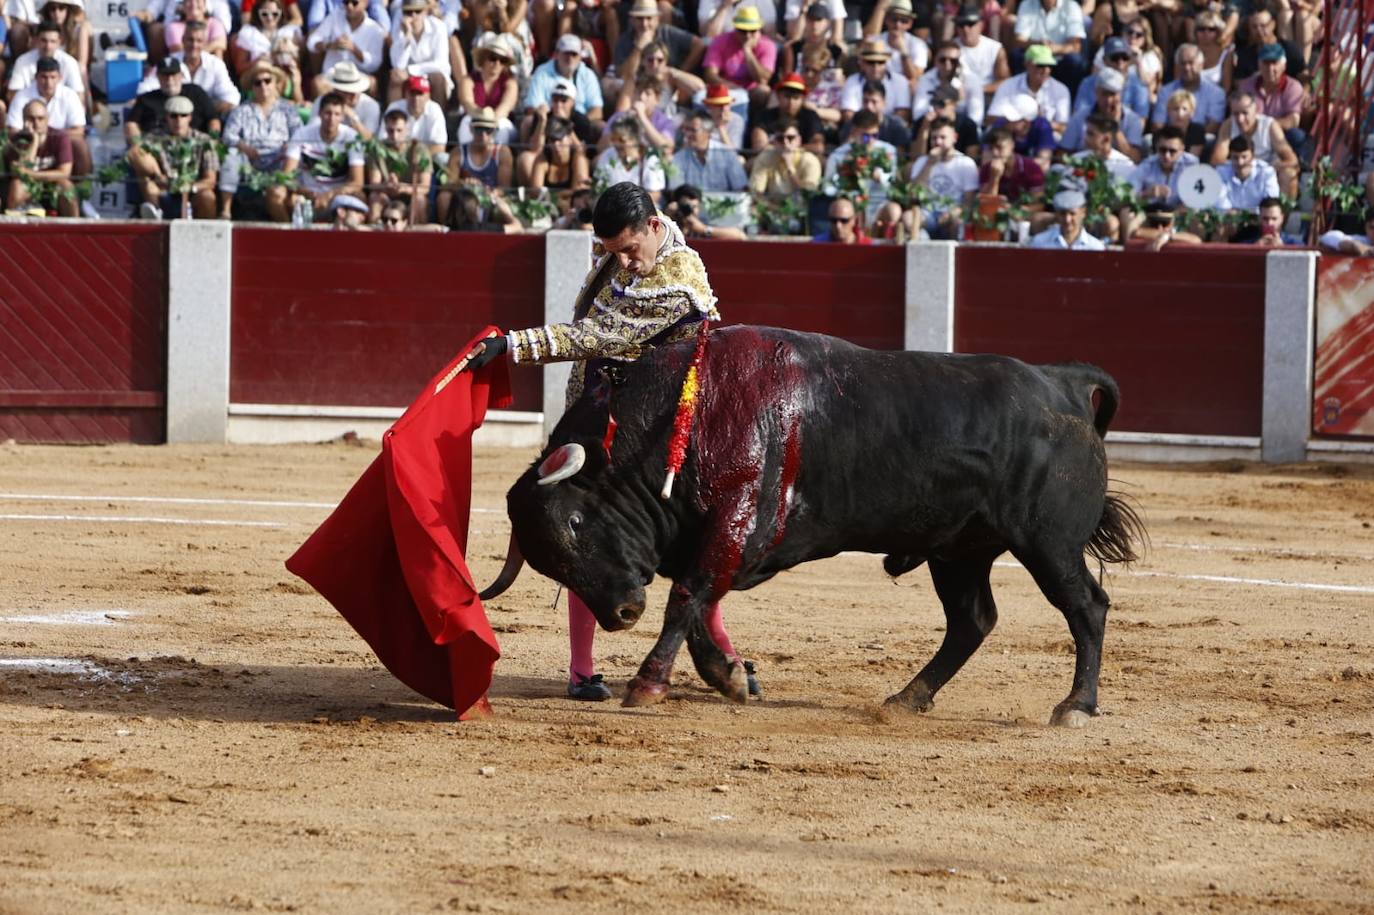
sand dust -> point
(189, 729)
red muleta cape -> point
(390, 557)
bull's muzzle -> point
(629, 614)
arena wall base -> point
(274, 424)
(1155, 448)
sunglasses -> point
(1171, 150)
(177, 117)
(1207, 28)
(269, 14)
(952, 61)
(484, 130)
(1119, 57)
(390, 221)
(966, 25)
(264, 81)
(791, 136)
(841, 220)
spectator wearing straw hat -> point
(419, 47)
(873, 57)
(146, 114)
(728, 127)
(1057, 26)
(327, 157)
(427, 122)
(1051, 97)
(347, 35)
(482, 160)
(706, 161)
(492, 84)
(1067, 233)
(910, 54)
(256, 134)
(158, 160)
(361, 111)
(566, 65)
(791, 94)
(742, 60)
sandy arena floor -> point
(189, 729)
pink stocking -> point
(715, 625)
(581, 633)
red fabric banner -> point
(390, 557)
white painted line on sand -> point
(180, 500)
(1279, 552)
(123, 519)
(53, 665)
(71, 618)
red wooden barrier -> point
(364, 319)
(1181, 331)
(850, 291)
(83, 333)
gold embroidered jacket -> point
(618, 311)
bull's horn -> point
(508, 572)
(562, 464)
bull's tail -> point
(1119, 533)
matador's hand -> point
(483, 353)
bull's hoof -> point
(1070, 716)
(642, 692)
(905, 702)
(736, 685)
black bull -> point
(804, 446)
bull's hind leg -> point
(1069, 585)
(970, 614)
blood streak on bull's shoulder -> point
(742, 384)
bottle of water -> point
(298, 213)
(309, 211)
(186, 211)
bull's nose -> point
(629, 615)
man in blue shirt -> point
(566, 63)
(1271, 217)
(1157, 177)
(1116, 55)
(1211, 100)
(705, 162)
(1070, 209)
(1245, 180)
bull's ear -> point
(563, 463)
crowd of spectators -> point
(1059, 123)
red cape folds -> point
(390, 557)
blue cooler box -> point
(123, 73)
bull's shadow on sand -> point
(177, 687)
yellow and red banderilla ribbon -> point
(686, 412)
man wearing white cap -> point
(566, 64)
(1051, 97)
(1070, 209)
(361, 111)
(1033, 135)
(157, 163)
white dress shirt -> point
(368, 38)
(898, 93)
(1053, 97)
(65, 108)
(425, 55)
(26, 68)
(429, 128)
(212, 76)
(1052, 238)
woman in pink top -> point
(491, 85)
(744, 59)
(216, 40)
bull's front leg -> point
(685, 619)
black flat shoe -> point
(754, 689)
(589, 689)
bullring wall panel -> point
(1182, 330)
(83, 333)
(364, 319)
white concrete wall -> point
(200, 259)
(1290, 285)
(567, 258)
(929, 321)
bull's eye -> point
(575, 522)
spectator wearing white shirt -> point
(427, 123)
(420, 48)
(981, 56)
(348, 34)
(949, 70)
(65, 111)
(206, 70)
(1057, 25)
(952, 177)
(1208, 96)
(626, 160)
(873, 58)
(1245, 180)
(315, 151)
(1267, 141)
(21, 18)
(1051, 97)
(1358, 245)
(910, 54)
(47, 43)
(1067, 233)
(266, 24)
